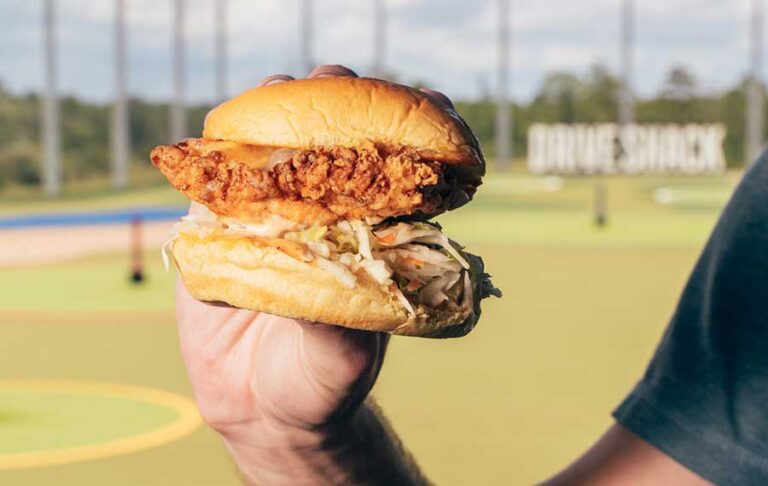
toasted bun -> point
(244, 274)
(345, 111)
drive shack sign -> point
(608, 148)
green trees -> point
(566, 98)
(563, 97)
(84, 136)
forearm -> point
(360, 450)
(620, 457)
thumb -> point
(343, 360)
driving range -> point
(90, 366)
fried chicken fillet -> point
(315, 186)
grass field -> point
(518, 398)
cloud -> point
(449, 44)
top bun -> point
(345, 111)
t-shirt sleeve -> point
(704, 397)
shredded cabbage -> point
(433, 294)
(363, 239)
(321, 248)
(165, 251)
(447, 245)
(378, 270)
(305, 236)
(339, 271)
(467, 298)
(351, 260)
(403, 299)
(429, 270)
(344, 239)
(402, 233)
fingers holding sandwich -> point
(332, 71)
(324, 71)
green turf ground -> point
(29, 416)
(512, 402)
(95, 284)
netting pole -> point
(50, 108)
(754, 120)
(120, 139)
(306, 36)
(137, 250)
(503, 109)
(221, 50)
(178, 113)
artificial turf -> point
(518, 398)
(28, 419)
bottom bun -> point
(241, 272)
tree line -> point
(562, 97)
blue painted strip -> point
(94, 218)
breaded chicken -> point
(242, 181)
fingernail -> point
(275, 78)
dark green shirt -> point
(704, 398)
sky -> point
(446, 44)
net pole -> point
(503, 109)
(50, 113)
(755, 100)
(306, 36)
(626, 106)
(178, 112)
(137, 250)
(120, 137)
(379, 37)
(221, 50)
(626, 96)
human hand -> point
(284, 393)
(272, 386)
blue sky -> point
(448, 44)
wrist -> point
(360, 449)
(276, 453)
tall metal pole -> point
(754, 130)
(379, 37)
(221, 49)
(626, 98)
(120, 143)
(178, 113)
(626, 104)
(306, 36)
(503, 112)
(50, 115)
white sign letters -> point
(608, 148)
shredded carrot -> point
(388, 239)
(414, 261)
(413, 285)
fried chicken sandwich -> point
(312, 200)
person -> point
(289, 397)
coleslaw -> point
(413, 259)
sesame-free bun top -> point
(346, 111)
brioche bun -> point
(349, 112)
(356, 139)
(239, 272)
